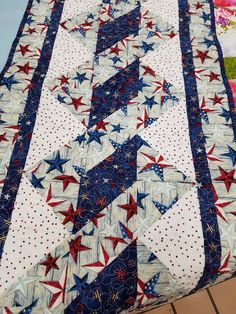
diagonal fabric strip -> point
(114, 31)
(26, 126)
(120, 168)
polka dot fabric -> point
(177, 240)
(34, 232)
(170, 135)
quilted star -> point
(227, 178)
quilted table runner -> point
(117, 155)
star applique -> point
(56, 163)
(36, 182)
(226, 177)
(202, 55)
(147, 47)
(57, 288)
(23, 49)
(8, 82)
(231, 155)
(77, 102)
(66, 180)
(140, 197)
(150, 101)
(131, 208)
(24, 68)
(76, 246)
(69, 215)
(100, 265)
(146, 290)
(95, 136)
(21, 284)
(50, 263)
(115, 241)
(116, 128)
(216, 100)
(155, 165)
(101, 125)
(64, 80)
(213, 76)
(80, 77)
(80, 283)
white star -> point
(228, 233)
(21, 284)
(165, 188)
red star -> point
(31, 30)
(213, 76)
(226, 177)
(64, 80)
(100, 264)
(57, 288)
(131, 208)
(24, 68)
(24, 49)
(95, 219)
(76, 247)
(216, 100)
(115, 241)
(171, 35)
(3, 137)
(101, 125)
(203, 55)
(50, 263)
(148, 70)
(66, 180)
(69, 215)
(115, 49)
(76, 102)
(199, 6)
(149, 24)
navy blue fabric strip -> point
(112, 32)
(26, 124)
(105, 182)
(203, 177)
(115, 93)
(223, 73)
(16, 41)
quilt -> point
(117, 155)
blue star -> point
(80, 283)
(36, 182)
(80, 77)
(146, 47)
(150, 286)
(150, 101)
(205, 16)
(56, 163)
(29, 20)
(117, 128)
(208, 42)
(80, 139)
(152, 257)
(141, 84)
(231, 154)
(163, 208)
(140, 197)
(61, 99)
(115, 59)
(8, 81)
(95, 136)
(225, 113)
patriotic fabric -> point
(117, 155)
